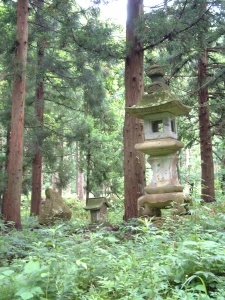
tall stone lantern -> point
(159, 109)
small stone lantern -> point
(98, 209)
(159, 109)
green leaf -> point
(8, 272)
(36, 290)
(111, 239)
(45, 274)
(81, 264)
(25, 295)
(28, 293)
(200, 288)
(32, 266)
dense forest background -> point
(72, 136)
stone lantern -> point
(98, 209)
(159, 108)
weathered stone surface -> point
(159, 147)
(173, 200)
(54, 208)
(158, 98)
(98, 209)
(159, 108)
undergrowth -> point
(182, 258)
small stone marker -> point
(98, 209)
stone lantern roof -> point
(96, 203)
(158, 98)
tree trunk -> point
(79, 176)
(2, 171)
(54, 182)
(88, 171)
(60, 179)
(134, 161)
(39, 110)
(5, 167)
(80, 186)
(77, 167)
(207, 166)
(223, 175)
(11, 208)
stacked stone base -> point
(151, 204)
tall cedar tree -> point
(134, 162)
(11, 207)
(39, 110)
(207, 165)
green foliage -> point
(180, 259)
(77, 50)
(175, 35)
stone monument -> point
(53, 208)
(159, 109)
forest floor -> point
(183, 258)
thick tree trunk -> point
(39, 110)
(11, 208)
(134, 161)
(207, 165)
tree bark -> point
(88, 170)
(11, 207)
(134, 161)
(207, 165)
(39, 110)
(5, 167)
(223, 175)
(54, 182)
(79, 176)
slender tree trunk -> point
(39, 109)
(54, 181)
(60, 190)
(88, 171)
(6, 166)
(134, 162)
(11, 208)
(59, 187)
(207, 165)
(60, 179)
(2, 171)
(223, 175)
(77, 166)
(79, 176)
(80, 188)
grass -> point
(183, 258)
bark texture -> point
(207, 165)
(79, 176)
(11, 207)
(134, 162)
(39, 110)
